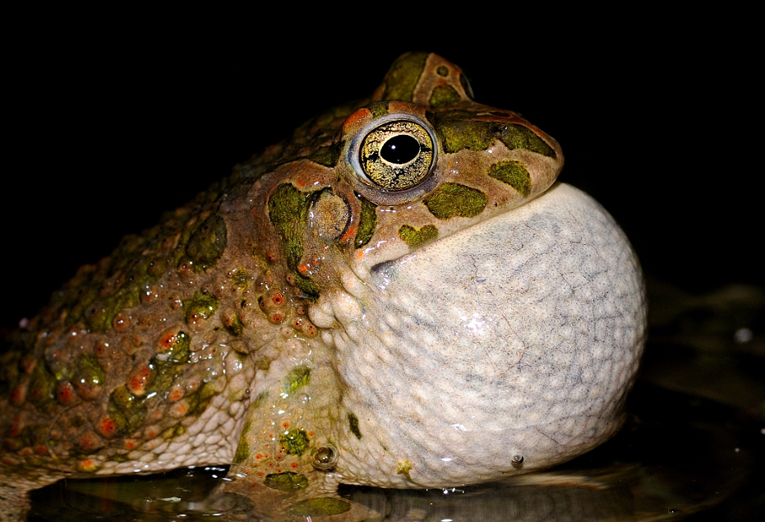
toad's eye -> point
(396, 155)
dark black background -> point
(108, 124)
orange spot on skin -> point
(260, 474)
(86, 465)
(40, 449)
(277, 317)
(25, 452)
(167, 339)
(149, 295)
(27, 364)
(178, 410)
(87, 441)
(175, 394)
(107, 427)
(357, 118)
(151, 432)
(17, 425)
(131, 444)
(121, 322)
(19, 395)
(277, 298)
(294, 465)
(102, 348)
(186, 267)
(65, 392)
(285, 424)
(138, 381)
(272, 257)
(88, 390)
(350, 233)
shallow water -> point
(693, 447)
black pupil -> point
(400, 149)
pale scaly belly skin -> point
(318, 319)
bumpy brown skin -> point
(147, 360)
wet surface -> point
(693, 447)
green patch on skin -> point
(259, 400)
(378, 109)
(295, 441)
(42, 387)
(514, 174)
(204, 395)
(242, 449)
(458, 131)
(123, 400)
(156, 268)
(416, 237)
(164, 373)
(403, 76)
(208, 242)
(99, 314)
(520, 137)
(287, 481)
(200, 306)
(367, 222)
(171, 433)
(353, 424)
(288, 211)
(453, 199)
(179, 351)
(327, 156)
(239, 278)
(444, 95)
(89, 371)
(298, 377)
(321, 507)
(234, 325)
(127, 410)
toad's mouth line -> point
(476, 230)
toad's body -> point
(397, 296)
